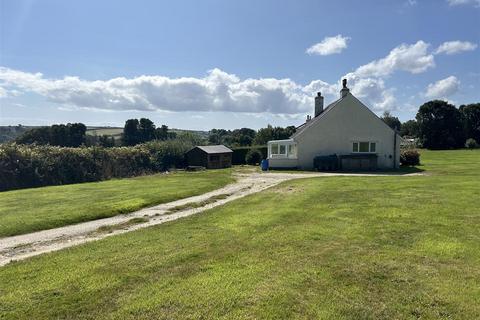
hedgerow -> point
(25, 166)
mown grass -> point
(319, 248)
(28, 210)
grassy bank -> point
(28, 210)
(329, 248)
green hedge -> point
(25, 166)
(240, 153)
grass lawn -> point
(319, 248)
(28, 210)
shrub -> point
(240, 154)
(253, 157)
(410, 157)
(26, 166)
(471, 143)
(168, 154)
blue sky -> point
(225, 64)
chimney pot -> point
(345, 90)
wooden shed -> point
(210, 157)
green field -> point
(319, 248)
(28, 210)
(117, 132)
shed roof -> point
(214, 149)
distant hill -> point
(116, 132)
(203, 134)
(10, 133)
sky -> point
(230, 64)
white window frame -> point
(370, 143)
(286, 149)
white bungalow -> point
(346, 130)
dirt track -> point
(27, 245)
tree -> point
(131, 134)
(76, 134)
(106, 141)
(440, 125)
(263, 136)
(391, 121)
(70, 135)
(409, 129)
(253, 157)
(237, 137)
(146, 130)
(242, 137)
(471, 120)
(272, 133)
(36, 135)
(216, 136)
(162, 133)
(58, 135)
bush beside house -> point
(471, 144)
(409, 157)
(253, 157)
(240, 154)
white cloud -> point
(217, 91)
(373, 91)
(476, 3)
(329, 45)
(452, 47)
(411, 58)
(442, 88)
(367, 82)
(221, 91)
(325, 88)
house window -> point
(364, 147)
(291, 150)
(274, 148)
(282, 149)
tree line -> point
(440, 125)
(69, 135)
(437, 125)
(138, 131)
(249, 137)
(75, 135)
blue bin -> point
(264, 164)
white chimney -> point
(318, 104)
